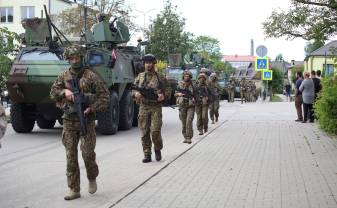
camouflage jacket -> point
(243, 86)
(185, 102)
(151, 80)
(202, 94)
(214, 89)
(90, 85)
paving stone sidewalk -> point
(259, 158)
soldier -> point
(3, 122)
(243, 90)
(249, 91)
(231, 91)
(202, 101)
(150, 110)
(185, 94)
(214, 105)
(97, 96)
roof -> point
(238, 58)
(325, 49)
(282, 65)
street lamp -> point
(144, 15)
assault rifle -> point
(186, 93)
(202, 92)
(147, 93)
(80, 104)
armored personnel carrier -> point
(41, 60)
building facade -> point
(14, 11)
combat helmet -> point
(213, 76)
(187, 72)
(149, 58)
(100, 17)
(202, 75)
(73, 50)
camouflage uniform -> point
(186, 110)
(201, 108)
(98, 97)
(3, 122)
(249, 92)
(243, 90)
(231, 91)
(214, 105)
(150, 111)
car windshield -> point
(175, 73)
(39, 55)
(194, 73)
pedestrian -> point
(214, 105)
(317, 83)
(3, 122)
(202, 102)
(185, 95)
(243, 90)
(150, 110)
(298, 97)
(308, 93)
(231, 90)
(93, 89)
(319, 74)
(287, 88)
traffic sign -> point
(261, 63)
(267, 75)
(261, 50)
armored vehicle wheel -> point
(135, 114)
(108, 120)
(21, 122)
(45, 124)
(126, 111)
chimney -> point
(252, 47)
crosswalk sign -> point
(261, 63)
(267, 75)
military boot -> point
(201, 133)
(158, 155)
(72, 195)
(216, 119)
(185, 141)
(92, 188)
(147, 159)
(205, 130)
(213, 122)
(189, 141)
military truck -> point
(41, 60)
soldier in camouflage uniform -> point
(3, 122)
(231, 91)
(150, 111)
(249, 91)
(214, 105)
(202, 101)
(186, 103)
(243, 90)
(93, 88)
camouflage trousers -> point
(70, 140)
(186, 116)
(231, 96)
(202, 117)
(243, 95)
(150, 123)
(214, 109)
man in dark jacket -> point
(298, 97)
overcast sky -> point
(233, 22)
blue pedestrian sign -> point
(261, 63)
(267, 75)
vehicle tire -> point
(45, 124)
(108, 120)
(126, 111)
(135, 114)
(21, 122)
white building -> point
(13, 11)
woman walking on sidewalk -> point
(308, 93)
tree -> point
(276, 85)
(8, 47)
(279, 57)
(207, 45)
(308, 19)
(72, 20)
(166, 34)
(312, 46)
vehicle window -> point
(96, 59)
(39, 56)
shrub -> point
(326, 105)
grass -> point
(276, 98)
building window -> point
(6, 14)
(328, 70)
(27, 12)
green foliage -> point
(294, 72)
(166, 34)
(8, 47)
(326, 105)
(277, 83)
(276, 98)
(313, 45)
(279, 57)
(310, 20)
(207, 45)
